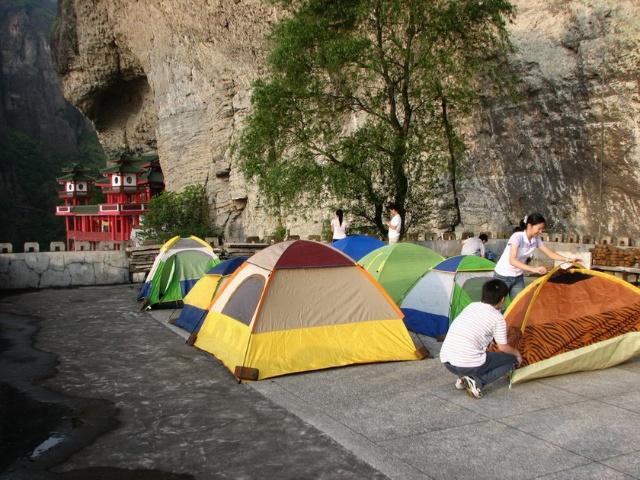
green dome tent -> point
(179, 265)
(398, 267)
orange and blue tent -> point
(198, 300)
(298, 306)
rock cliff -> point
(175, 75)
(39, 130)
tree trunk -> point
(452, 164)
(379, 210)
(402, 184)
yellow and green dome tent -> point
(179, 265)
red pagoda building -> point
(128, 184)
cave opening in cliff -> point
(121, 100)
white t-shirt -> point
(470, 334)
(525, 248)
(473, 246)
(339, 231)
(395, 227)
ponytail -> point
(339, 214)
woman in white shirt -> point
(513, 261)
(339, 226)
(395, 224)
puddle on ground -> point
(49, 443)
(108, 473)
(24, 423)
(40, 428)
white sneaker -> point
(473, 390)
(460, 385)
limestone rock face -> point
(570, 145)
(175, 75)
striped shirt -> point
(470, 334)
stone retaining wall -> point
(62, 269)
(449, 248)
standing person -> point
(464, 350)
(339, 226)
(513, 261)
(395, 224)
(474, 245)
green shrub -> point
(185, 213)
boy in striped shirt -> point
(464, 351)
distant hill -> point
(39, 130)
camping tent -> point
(357, 246)
(440, 295)
(179, 265)
(299, 306)
(198, 300)
(399, 266)
(573, 320)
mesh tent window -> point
(243, 302)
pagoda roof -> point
(149, 158)
(152, 176)
(103, 182)
(129, 163)
(76, 178)
(77, 173)
(123, 168)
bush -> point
(186, 213)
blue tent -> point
(357, 246)
(228, 266)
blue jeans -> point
(514, 284)
(495, 366)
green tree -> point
(362, 101)
(186, 213)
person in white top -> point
(339, 226)
(513, 261)
(464, 351)
(474, 245)
(395, 224)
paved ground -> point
(179, 411)
(167, 410)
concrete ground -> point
(166, 411)
(180, 411)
